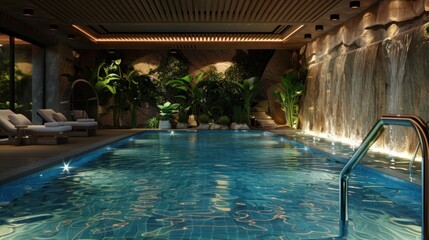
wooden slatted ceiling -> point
(169, 11)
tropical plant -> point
(119, 84)
(152, 122)
(238, 114)
(141, 90)
(218, 97)
(111, 84)
(187, 91)
(287, 93)
(224, 120)
(174, 65)
(249, 89)
(167, 109)
(21, 82)
(203, 118)
(183, 116)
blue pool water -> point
(205, 185)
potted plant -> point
(166, 112)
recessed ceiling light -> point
(335, 17)
(53, 27)
(354, 4)
(307, 36)
(28, 12)
(71, 36)
(318, 27)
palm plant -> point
(287, 93)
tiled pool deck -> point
(18, 161)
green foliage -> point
(183, 116)
(167, 109)
(172, 66)
(213, 75)
(120, 83)
(288, 92)
(140, 89)
(249, 89)
(187, 91)
(238, 114)
(224, 120)
(22, 83)
(152, 122)
(203, 118)
(218, 97)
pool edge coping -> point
(45, 163)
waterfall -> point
(346, 94)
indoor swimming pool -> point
(206, 185)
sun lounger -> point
(17, 126)
(80, 127)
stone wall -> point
(374, 64)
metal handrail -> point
(422, 132)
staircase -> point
(263, 120)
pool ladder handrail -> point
(423, 135)
(413, 159)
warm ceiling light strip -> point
(292, 33)
(92, 38)
(187, 38)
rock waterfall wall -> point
(378, 63)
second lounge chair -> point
(80, 127)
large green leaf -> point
(187, 78)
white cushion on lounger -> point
(81, 124)
(59, 117)
(46, 114)
(40, 129)
(53, 124)
(5, 122)
(19, 119)
(85, 120)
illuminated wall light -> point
(28, 12)
(318, 27)
(354, 4)
(335, 17)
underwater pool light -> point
(66, 167)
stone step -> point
(267, 123)
(261, 115)
(264, 120)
